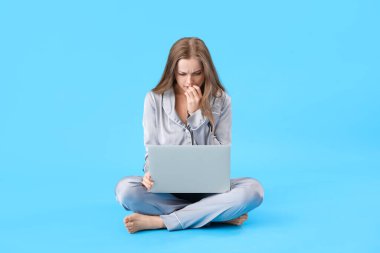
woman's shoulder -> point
(222, 98)
(152, 97)
(220, 101)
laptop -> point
(189, 168)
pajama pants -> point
(190, 210)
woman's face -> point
(189, 72)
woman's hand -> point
(147, 181)
(193, 95)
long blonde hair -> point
(186, 48)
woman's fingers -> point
(148, 183)
(193, 93)
(193, 99)
(198, 90)
(189, 95)
(148, 176)
(144, 184)
(147, 186)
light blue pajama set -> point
(178, 211)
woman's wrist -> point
(192, 113)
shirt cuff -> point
(196, 119)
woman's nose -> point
(189, 80)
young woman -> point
(189, 106)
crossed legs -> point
(165, 210)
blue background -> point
(304, 81)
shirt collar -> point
(168, 103)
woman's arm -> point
(221, 134)
(149, 125)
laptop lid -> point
(189, 168)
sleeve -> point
(149, 125)
(196, 120)
(221, 135)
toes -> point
(129, 225)
(131, 230)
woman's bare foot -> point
(238, 221)
(136, 222)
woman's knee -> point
(253, 193)
(126, 190)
